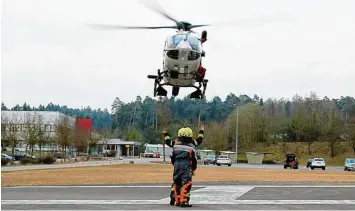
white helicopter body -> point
(182, 58)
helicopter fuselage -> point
(181, 59)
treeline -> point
(306, 119)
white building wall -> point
(49, 120)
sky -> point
(273, 48)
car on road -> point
(6, 157)
(291, 161)
(318, 163)
(309, 162)
(349, 164)
(223, 160)
(209, 159)
(20, 155)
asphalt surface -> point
(204, 196)
(147, 161)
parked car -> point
(6, 157)
(309, 162)
(349, 164)
(318, 163)
(210, 159)
(20, 155)
(290, 161)
(223, 160)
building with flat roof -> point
(47, 120)
(122, 147)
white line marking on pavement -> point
(196, 186)
(156, 202)
(185, 209)
(177, 208)
(304, 186)
(105, 186)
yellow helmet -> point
(181, 132)
(189, 132)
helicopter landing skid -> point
(160, 91)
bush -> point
(25, 160)
(4, 162)
(112, 153)
(37, 161)
(49, 159)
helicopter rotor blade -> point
(159, 9)
(195, 26)
(103, 26)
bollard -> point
(110, 161)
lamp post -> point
(236, 135)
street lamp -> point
(236, 134)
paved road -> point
(147, 161)
(207, 196)
(78, 164)
(278, 166)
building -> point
(20, 120)
(121, 147)
(153, 149)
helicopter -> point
(182, 58)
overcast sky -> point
(278, 49)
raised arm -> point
(167, 138)
(199, 138)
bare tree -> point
(31, 129)
(104, 136)
(64, 133)
(45, 137)
(12, 133)
(334, 130)
(216, 137)
(350, 131)
(93, 140)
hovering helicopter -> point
(182, 57)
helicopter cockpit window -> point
(194, 42)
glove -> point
(193, 173)
(202, 129)
(165, 133)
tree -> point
(335, 128)
(64, 131)
(31, 129)
(350, 131)
(3, 107)
(45, 137)
(12, 135)
(216, 137)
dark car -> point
(291, 161)
(210, 159)
(20, 155)
(309, 162)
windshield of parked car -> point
(318, 159)
(351, 161)
(211, 156)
